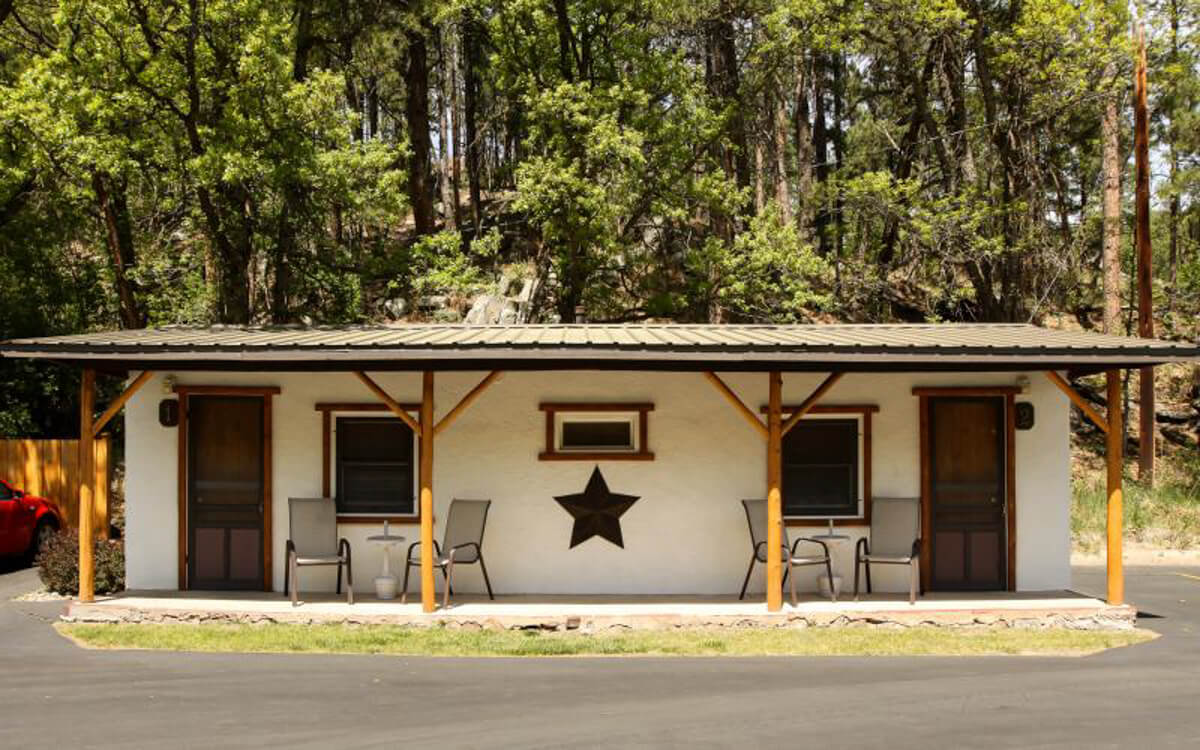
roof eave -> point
(863, 359)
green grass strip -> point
(413, 641)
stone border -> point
(1092, 618)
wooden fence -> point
(50, 468)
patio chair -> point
(313, 540)
(895, 540)
(756, 517)
(462, 544)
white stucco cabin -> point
(224, 425)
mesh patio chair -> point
(313, 540)
(756, 517)
(462, 544)
(895, 540)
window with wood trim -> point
(590, 432)
(374, 467)
(823, 468)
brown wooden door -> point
(225, 492)
(967, 493)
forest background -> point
(361, 161)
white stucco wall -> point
(687, 534)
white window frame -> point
(333, 463)
(630, 418)
(862, 504)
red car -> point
(26, 522)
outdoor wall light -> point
(1023, 383)
(168, 385)
(168, 412)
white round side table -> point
(824, 585)
(385, 583)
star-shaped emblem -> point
(596, 511)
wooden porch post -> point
(1114, 459)
(426, 481)
(774, 494)
(87, 475)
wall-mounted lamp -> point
(1023, 383)
(168, 385)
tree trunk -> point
(804, 150)
(445, 148)
(416, 111)
(1111, 168)
(1173, 158)
(471, 85)
(455, 123)
(820, 140)
(839, 152)
(779, 128)
(372, 107)
(1145, 276)
(760, 177)
(118, 235)
(726, 85)
(233, 245)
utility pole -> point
(1141, 154)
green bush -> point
(58, 564)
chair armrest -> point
(344, 545)
(464, 545)
(437, 550)
(916, 548)
(763, 547)
(795, 544)
(861, 547)
(289, 549)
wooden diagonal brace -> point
(1077, 398)
(119, 401)
(811, 401)
(737, 403)
(391, 403)
(472, 394)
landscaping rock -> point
(1178, 436)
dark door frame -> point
(1008, 393)
(184, 392)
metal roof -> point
(951, 346)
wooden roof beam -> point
(466, 401)
(806, 406)
(392, 404)
(737, 403)
(1077, 398)
(120, 401)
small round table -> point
(385, 583)
(835, 585)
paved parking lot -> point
(1148, 696)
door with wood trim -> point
(967, 493)
(225, 492)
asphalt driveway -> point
(1148, 696)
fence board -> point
(50, 468)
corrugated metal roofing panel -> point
(692, 343)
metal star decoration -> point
(596, 511)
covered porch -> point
(436, 381)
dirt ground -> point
(1139, 554)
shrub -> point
(58, 564)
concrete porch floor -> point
(555, 612)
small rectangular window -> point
(600, 431)
(614, 432)
(374, 466)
